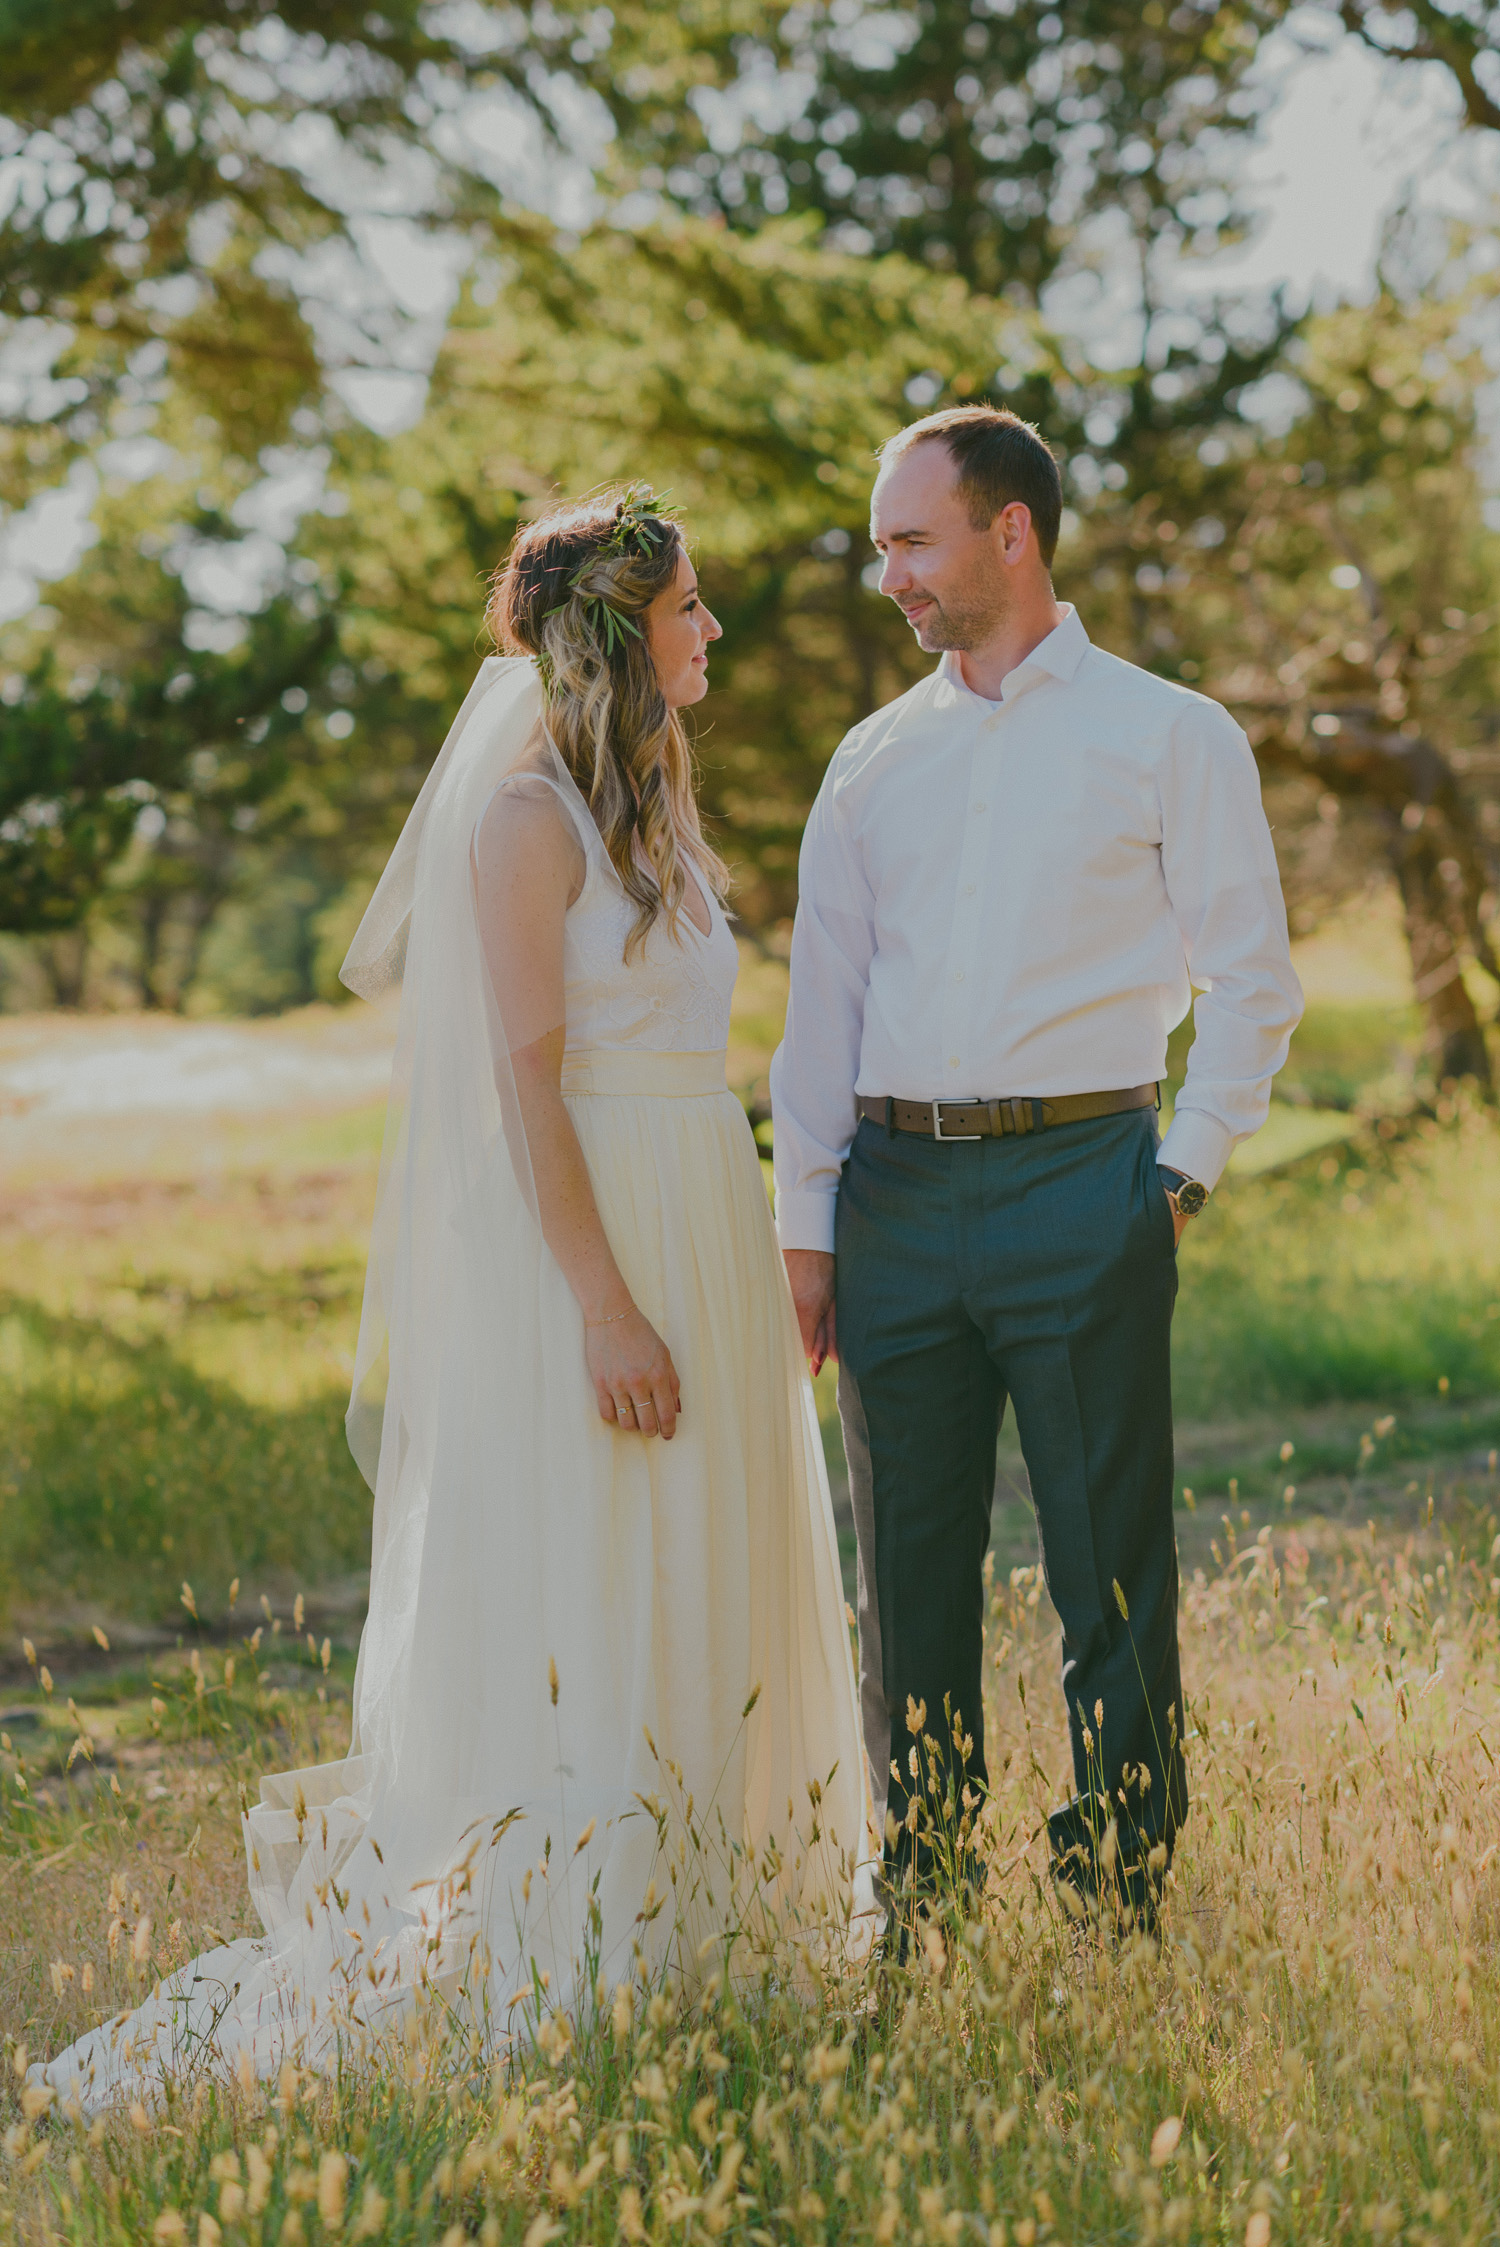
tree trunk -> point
(203, 904)
(1453, 1037)
(153, 912)
(1434, 850)
(65, 960)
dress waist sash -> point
(667, 1076)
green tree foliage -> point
(1389, 699)
(752, 376)
(81, 761)
(973, 137)
(1023, 146)
(755, 370)
(170, 164)
(171, 174)
(1336, 585)
(853, 217)
(142, 774)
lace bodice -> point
(674, 995)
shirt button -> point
(981, 807)
(953, 1061)
(968, 889)
(958, 975)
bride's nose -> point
(712, 628)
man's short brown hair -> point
(999, 458)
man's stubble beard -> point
(962, 625)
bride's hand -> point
(634, 1378)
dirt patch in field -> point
(96, 1211)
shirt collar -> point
(1059, 656)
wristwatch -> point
(1188, 1197)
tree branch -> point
(1439, 38)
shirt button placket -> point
(971, 861)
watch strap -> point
(1188, 1196)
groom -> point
(1011, 879)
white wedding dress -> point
(555, 1784)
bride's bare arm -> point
(528, 869)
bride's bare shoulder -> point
(526, 835)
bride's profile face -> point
(679, 629)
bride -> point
(604, 1710)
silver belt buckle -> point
(957, 1138)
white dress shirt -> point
(1010, 899)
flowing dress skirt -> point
(616, 1714)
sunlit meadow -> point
(1311, 2053)
(1313, 2050)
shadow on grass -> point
(123, 1472)
(304, 1289)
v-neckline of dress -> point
(704, 935)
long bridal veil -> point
(501, 1827)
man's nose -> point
(893, 574)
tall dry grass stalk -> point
(1311, 2053)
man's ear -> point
(1011, 530)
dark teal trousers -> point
(1041, 1269)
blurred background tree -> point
(751, 376)
(188, 191)
(794, 226)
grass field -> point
(1312, 2055)
(1316, 2052)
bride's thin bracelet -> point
(613, 1319)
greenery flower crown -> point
(633, 531)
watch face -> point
(1191, 1197)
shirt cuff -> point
(804, 1219)
(1197, 1146)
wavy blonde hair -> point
(627, 752)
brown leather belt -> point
(948, 1120)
